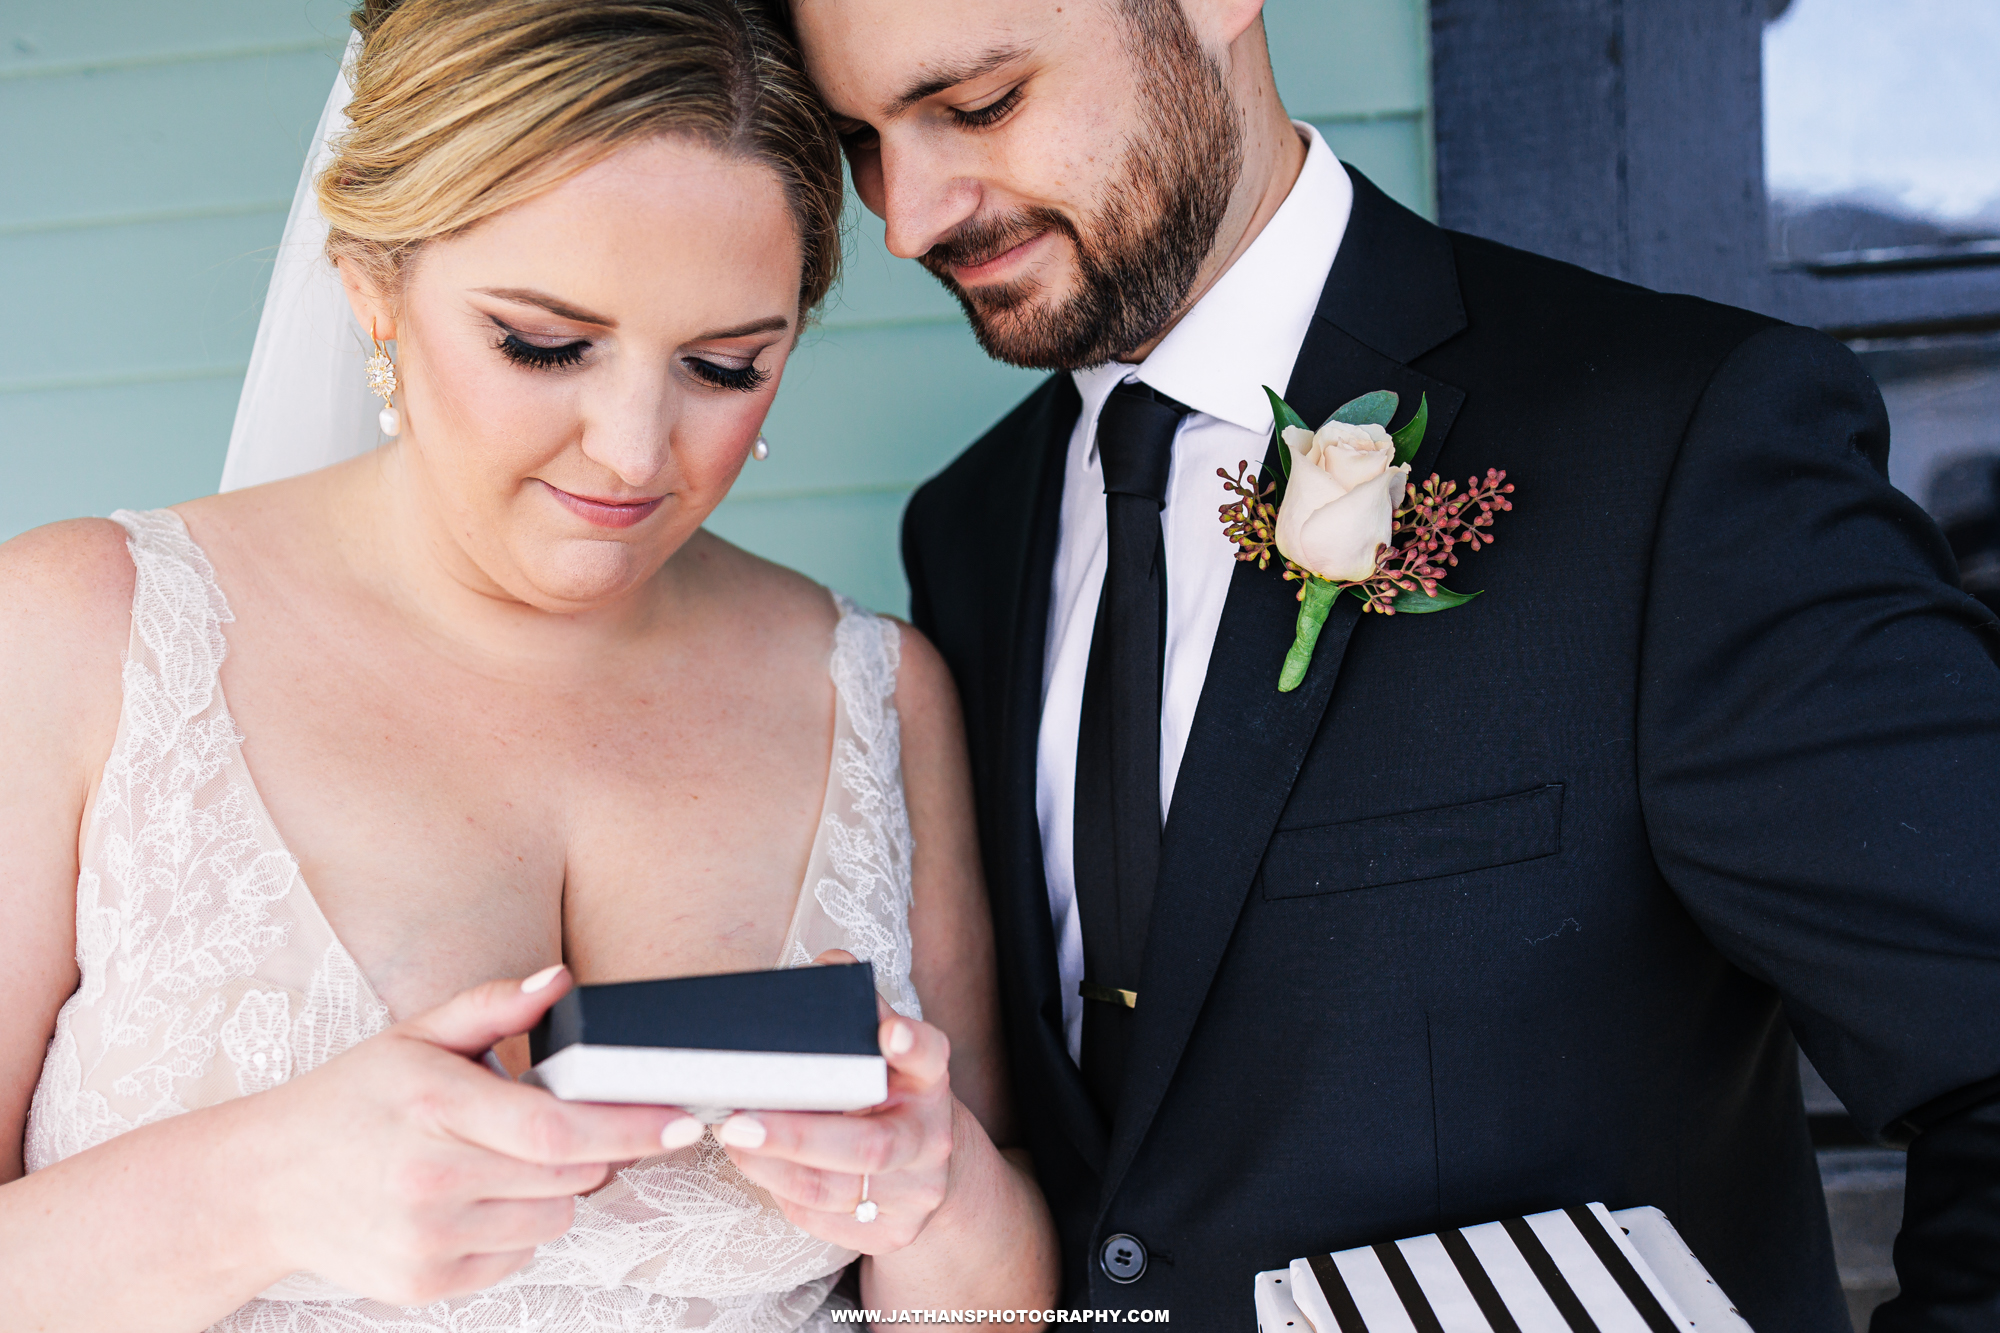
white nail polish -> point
(741, 1131)
(901, 1038)
(540, 979)
(680, 1133)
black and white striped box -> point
(1571, 1270)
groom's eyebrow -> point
(554, 305)
(950, 76)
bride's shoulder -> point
(775, 601)
(75, 574)
(926, 696)
(65, 617)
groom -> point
(1512, 907)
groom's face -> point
(1061, 165)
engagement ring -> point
(865, 1211)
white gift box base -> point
(681, 1076)
(1290, 1300)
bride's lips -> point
(606, 513)
(994, 268)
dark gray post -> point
(1622, 135)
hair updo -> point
(463, 108)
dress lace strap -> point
(857, 890)
(867, 651)
(178, 611)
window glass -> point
(1882, 132)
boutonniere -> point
(1348, 519)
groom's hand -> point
(815, 1163)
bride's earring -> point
(382, 383)
(762, 449)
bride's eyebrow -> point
(773, 324)
(554, 305)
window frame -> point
(1627, 136)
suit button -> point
(1123, 1258)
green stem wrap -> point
(1320, 595)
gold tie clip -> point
(1090, 990)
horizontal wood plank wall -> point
(151, 147)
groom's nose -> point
(922, 191)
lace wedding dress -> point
(208, 972)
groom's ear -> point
(371, 310)
(1218, 23)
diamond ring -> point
(865, 1211)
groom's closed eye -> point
(991, 113)
(956, 76)
(859, 137)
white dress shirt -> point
(1244, 333)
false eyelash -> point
(535, 357)
(743, 379)
(993, 112)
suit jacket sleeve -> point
(1819, 756)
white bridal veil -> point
(305, 402)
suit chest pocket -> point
(1418, 845)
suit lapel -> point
(1392, 295)
(1020, 888)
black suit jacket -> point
(1521, 905)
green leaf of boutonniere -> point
(1417, 602)
(1411, 437)
(1282, 414)
(1370, 409)
(1282, 411)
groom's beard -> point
(1137, 257)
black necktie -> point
(1118, 817)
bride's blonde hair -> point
(463, 108)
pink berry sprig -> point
(1437, 520)
(1251, 522)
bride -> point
(296, 771)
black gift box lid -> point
(805, 1010)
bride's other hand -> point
(405, 1170)
(959, 1221)
(813, 1163)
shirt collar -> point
(1247, 329)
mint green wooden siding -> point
(149, 150)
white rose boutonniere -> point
(1348, 518)
(1340, 503)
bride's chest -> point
(454, 828)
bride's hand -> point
(814, 1163)
(406, 1171)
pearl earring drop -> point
(762, 449)
(382, 383)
